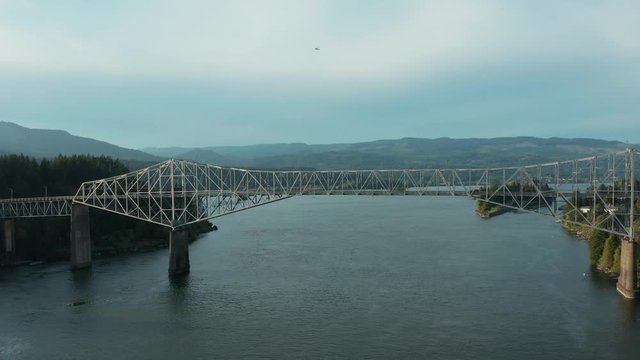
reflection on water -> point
(342, 277)
(628, 312)
(81, 278)
(81, 287)
(179, 283)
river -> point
(334, 278)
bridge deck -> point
(36, 207)
(176, 193)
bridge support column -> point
(9, 238)
(627, 282)
(178, 252)
(80, 254)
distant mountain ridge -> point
(402, 153)
(399, 153)
(48, 143)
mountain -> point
(444, 152)
(203, 156)
(413, 153)
(235, 154)
(167, 152)
(398, 153)
(249, 152)
(48, 143)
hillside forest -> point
(48, 238)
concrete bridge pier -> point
(9, 238)
(178, 252)
(628, 281)
(80, 252)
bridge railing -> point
(35, 207)
(595, 192)
(176, 193)
(598, 192)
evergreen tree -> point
(596, 245)
(22, 176)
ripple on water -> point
(370, 277)
(12, 347)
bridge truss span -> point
(597, 192)
(175, 193)
(594, 192)
(35, 207)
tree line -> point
(48, 238)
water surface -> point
(332, 277)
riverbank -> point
(315, 277)
(486, 210)
(122, 242)
(604, 249)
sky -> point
(206, 73)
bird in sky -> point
(317, 48)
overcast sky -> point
(197, 73)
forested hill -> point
(394, 153)
(62, 175)
(400, 153)
(444, 153)
(48, 238)
(16, 139)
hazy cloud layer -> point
(438, 67)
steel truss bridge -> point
(176, 193)
(597, 192)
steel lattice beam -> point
(595, 192)
(36, 207)
(176, 193)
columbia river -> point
(332, 278)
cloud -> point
(53, 50)
(267, 40)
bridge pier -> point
(80, 252)
(627, 282)
(178, 252)
(9, 238)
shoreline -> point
(574, 231)
(147, 245)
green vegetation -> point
(501, 195)
(605, 263)
(419, 153)
(23, 176)
(487, 210)
(16, 139)
(596, 246)
(403, 153)
(406, 153)
(604, 250)
(582, 232)
(48, 238)
(615, 267)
